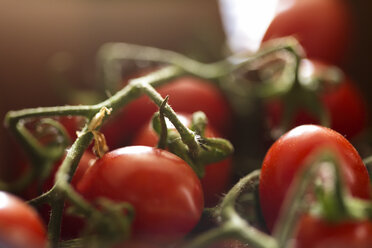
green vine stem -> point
(162, 143)
(339, 206)
(336, 206)
(233, 226)
(181, 65)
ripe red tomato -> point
(345, 104)
(164, 191)
(289, 153)
(186, 94)
(323, 28)
(20, 226)
(217, 175)
(314, 232)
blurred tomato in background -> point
(42, 40)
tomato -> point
(289, 153)
(186, 94)
(20, 226)
(163, 189)
(313, 232)
(217, 175)
(323, 28)
(345, 104)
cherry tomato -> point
(289, 153)
(314, 232)
(323, 27)
(345, 104)
(164, 191)
(20, 226)
(186, 94)
(217, 175)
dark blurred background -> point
(35, 34)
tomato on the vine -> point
(20, 226)
(186, 94)
(314, 232)
(323, 28)
(344, 103)
(217, 175)
(163, 189)
(289, 153)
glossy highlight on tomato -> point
(289, 153)
(20, 226)
(165, 192)
(217, 175)
(323, 28)
(313, 232)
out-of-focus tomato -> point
(163, 189)
(314, 232)
(344, 103)
(217, 175)
(186, 94)
(288, 155)
(323, 28)
(20, 226)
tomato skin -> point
(217, 175)
(186, 94)
(345, 104)
(20, 226)
(164, 191)
(326, 36)
(314, 232)
(288, 154)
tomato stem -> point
(233, 226)
(162, 143)
(109, 55)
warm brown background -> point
(31, 32)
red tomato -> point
(289, 153)
(164, 191)
(344, 103)
(317, 233)
(20, 226)
(323, 27)
(186, 94)
(217, 175)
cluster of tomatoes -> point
(165, 193)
